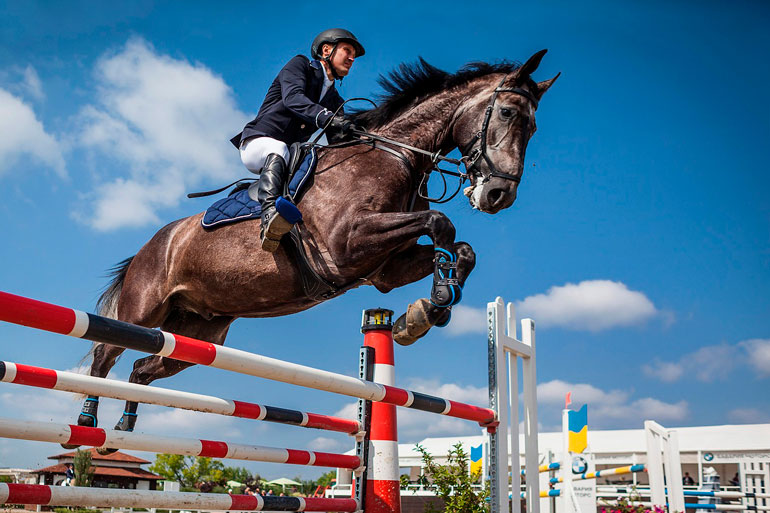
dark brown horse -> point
(360, 223)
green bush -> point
(454, 483)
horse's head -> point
(493, 130)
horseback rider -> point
(301, 99)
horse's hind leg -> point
(104, 357)
(148, 369)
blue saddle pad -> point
(238, 205)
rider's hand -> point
(342, 126)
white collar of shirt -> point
(327, 82)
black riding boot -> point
(269, 189)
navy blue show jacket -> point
(292, 111)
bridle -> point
(479, 153)
(470, 157)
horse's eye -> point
(506, 113)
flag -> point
(477, 459)
(578, 429)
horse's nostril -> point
(496, 196)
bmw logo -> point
(708, 456)
(579, 465)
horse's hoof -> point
(401, 333)
(414, 324)
(69, 446)
(104, 451)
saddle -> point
(240, 206)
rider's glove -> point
(342, 126)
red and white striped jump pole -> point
(75, 323)
(80, 384)
(117, 498)
(98, 437)
(382, 479)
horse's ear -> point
(530, 66)
(543, 86)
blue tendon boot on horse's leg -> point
(87, 417)
(126, 423)
(278, 214)
(423, 314)
(446, 289)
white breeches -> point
(254, 151)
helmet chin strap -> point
(328, 61)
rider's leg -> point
(269, 189)
(268, 157)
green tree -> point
(240, 474)
(454, 483)
(326, 479)
(188, 470)
(84, 472)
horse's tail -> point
(107, 304)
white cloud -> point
(31, 83)
(190, 424)
(612, 407)
(463, 393)
(416, 424)
(715, 362)
(25, 136)
(593, 305)
(554, 392)
(758, 352)
(166, 122)
(748, 416)
(466, 319)
(668, 372)
(326, 444)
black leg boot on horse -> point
(445, 293)
(88, 417)
(269, 190)
(126, 423)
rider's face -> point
(343, 58)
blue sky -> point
(639, 243)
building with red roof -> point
(116, 470)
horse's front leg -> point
(412, 265)
(449, 262)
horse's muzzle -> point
(494, 199)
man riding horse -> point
(301, 100)
(361, 228)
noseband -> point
(472, 159)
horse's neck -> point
(428, 124)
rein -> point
(470, 158)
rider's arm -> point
(293, 80)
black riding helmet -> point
(332, 37)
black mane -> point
(410, 82)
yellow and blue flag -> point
(578, 429)
(477, 459)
